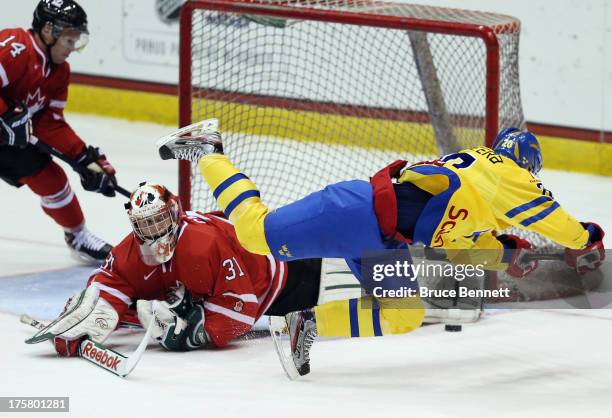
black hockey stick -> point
(75, 166)
(100, 355)
(440, 255)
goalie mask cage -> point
(310, 92)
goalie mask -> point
(155, 215)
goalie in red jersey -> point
(189, 272)
(34, 78)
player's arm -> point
(522, 201)
(14, 117)
(186, 322)
(232, 307)
(536, 210)
(493, 251)
(216, 304)
(114, 288)
(50, 126)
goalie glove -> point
(515, 249)
(178, 323)
(67, 348)
(589, 258)
(97, 174)
(15, 126)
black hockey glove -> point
(15, 126)
(97, 174)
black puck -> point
(452, 328)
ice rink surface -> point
(552, 363)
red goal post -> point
(348, 86)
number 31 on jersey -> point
(232, 266)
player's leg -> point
(56, 196)
(239, 198)
(296, 321)
(294, 334)
(29, 166)
(366, 317)
(61, 204)
(301, 290)
(338, 221)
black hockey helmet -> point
(62, 14)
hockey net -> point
(311, 92)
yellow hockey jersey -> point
(478, 193)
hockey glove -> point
(15, 126)
(515, 249)
(97, 174)
(67, 348)
(589, 258)
(178, 323)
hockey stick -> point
(75, 166)
(100, 355)
(529, 256)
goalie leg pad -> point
(84, 315)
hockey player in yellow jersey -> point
(458, 202)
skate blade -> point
(203, 127)
(282, 344)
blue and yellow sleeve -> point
(534, 209)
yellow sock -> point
(238, 198)
(364, 317)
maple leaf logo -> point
(35, 102)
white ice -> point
(510, 364)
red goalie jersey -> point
(27, 77)
(236, 286)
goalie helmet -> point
(520, 146)
(155, 215)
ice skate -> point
(293, 336)
(192, 142)
(86, 247)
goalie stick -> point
(75, 166)
(100, 355)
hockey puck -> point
(452, 328)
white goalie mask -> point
(155, 215)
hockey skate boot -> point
(293, 336)
(86, 247)
(192, 142)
